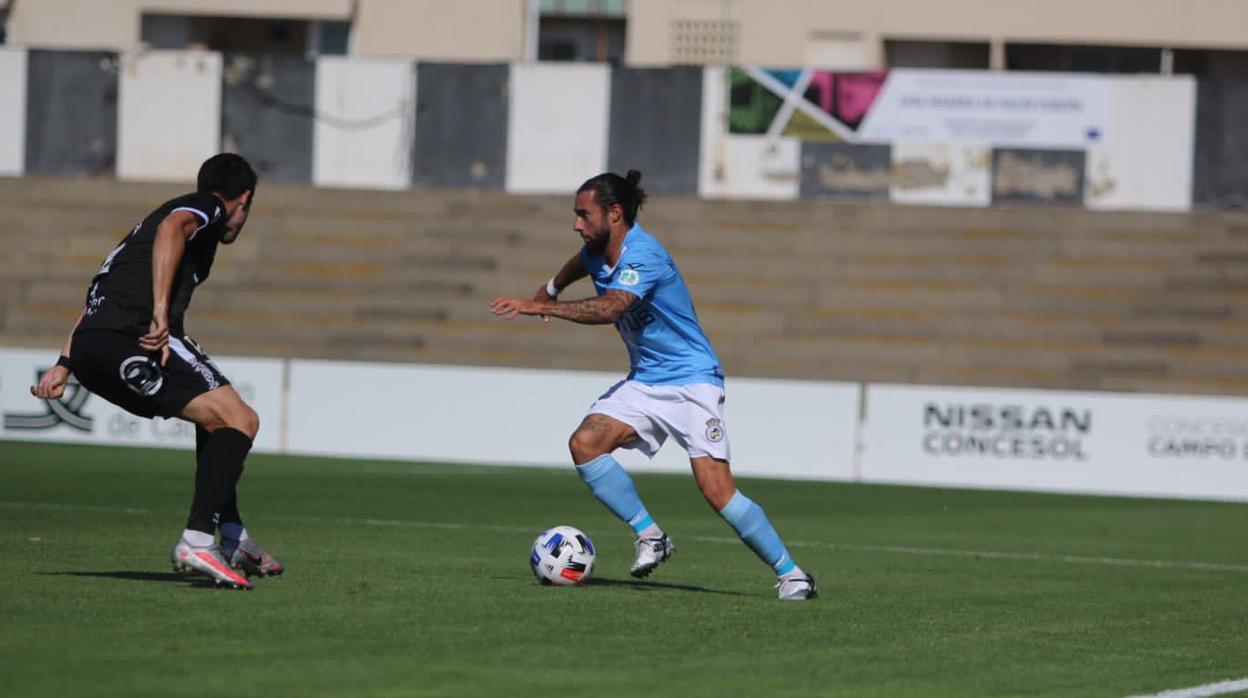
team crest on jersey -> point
(629, 277)
(714, 430)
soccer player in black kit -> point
(129, 347)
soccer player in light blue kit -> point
(675, 386)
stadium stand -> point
(1005, 296)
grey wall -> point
(71, 112)
(655, 127)
(461, 126)
(1220, 179)
(266, 114)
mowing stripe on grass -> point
(1209, 689)
(719, 540)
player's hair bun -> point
(634, 178)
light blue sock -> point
(750, 522)
(614, 488)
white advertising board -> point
(80, 417)
(1026, 110)
(524, 417)
(168, 114)
(1096, 443)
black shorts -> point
(113, 366)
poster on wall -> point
(808, 104)
(83, 418)
(1037, 110)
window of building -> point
(294, 37)
(937, 54)
(1211, 64)
(581, 30)
(1083, 59)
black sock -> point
(220, 457)
(229, 512)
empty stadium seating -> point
(1039, 297)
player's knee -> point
(586, 446)
(249, 422)
(244, 419)
(718, 495)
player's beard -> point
(598, 242)
(228, 236)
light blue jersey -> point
(666, 345)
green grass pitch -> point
(412, 580)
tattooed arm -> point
(603, 310)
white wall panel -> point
(12, 111)
(365, 123)
(1146, 158)
(557, 126)
(169, 114)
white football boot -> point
(651, 552)
(797, 588)
(206, 560)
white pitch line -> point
(1209, 689)
(724, 540)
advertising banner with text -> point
(1098, 443)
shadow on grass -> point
(198, 582)
(641, 585)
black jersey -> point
(120, 297)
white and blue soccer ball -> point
(562, 555)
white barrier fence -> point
(1099, 443)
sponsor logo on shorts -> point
(142, 375)
(714, 430)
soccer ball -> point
(562, 555)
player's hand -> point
(543, 297)
(157, 337)
(509, 308)
(52, 384)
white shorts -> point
(691, 414)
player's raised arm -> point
(171, 238)
(52, 384)
(603, 310)
(572, 271)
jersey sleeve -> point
(205, 207)
(639, 272)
